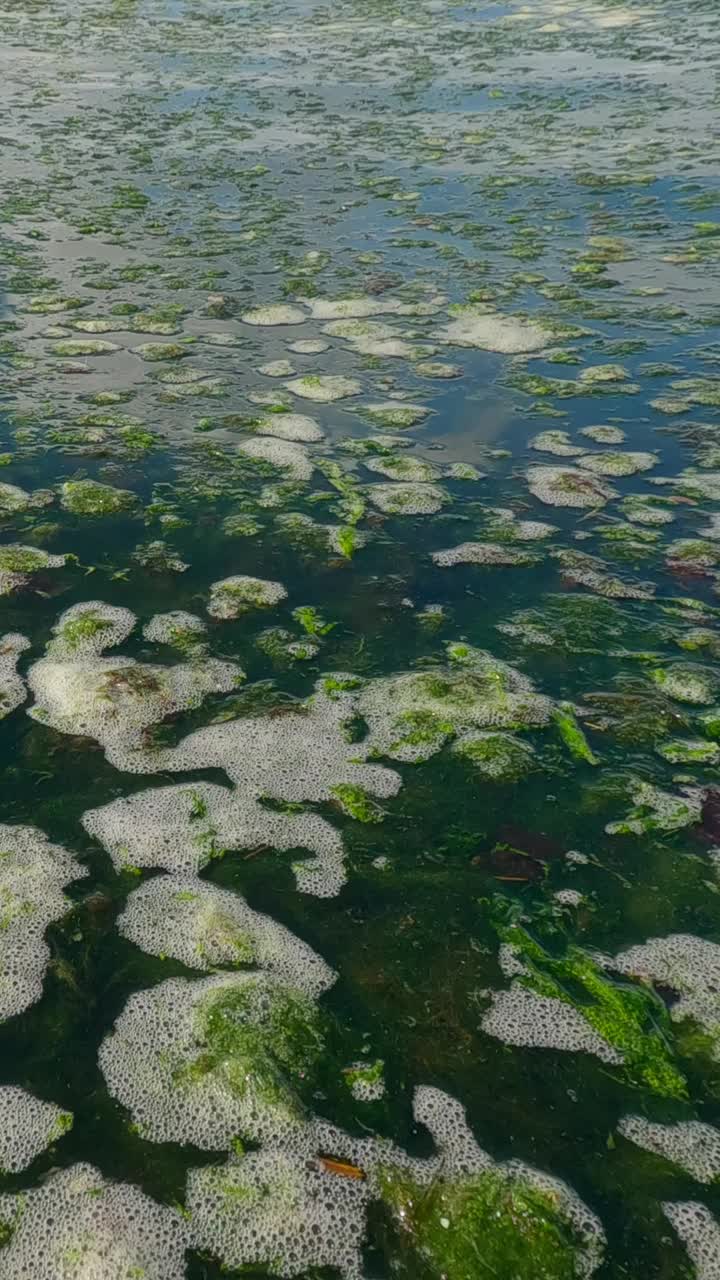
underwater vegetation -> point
(359, 684)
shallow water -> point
(171, 168)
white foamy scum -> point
(475, 327)
(568, 487)
(27, 1127)
(240, 594)
(693, 1146)
(700, 1233)
(161, 1062)
(690, 967)
(209, 928)
(33, 874)
(78, 1226)
(298, 756)
(115, 700)
(177, 629)
(283, 454)
(280, 1208)
(289, 426)
(480, 553)
(284, 1207)
(411, 499)
(410, 716)
(524, 1018)
(13, 690)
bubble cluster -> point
(279, 1208)
(178, 629)
(300, 756)
(483, 553)
(693, 1146)
(115, 700)
(274, 313)
(474, 326)
(232, 597)
(284, 454)
(78, 1226)
(700, 1233)
(411, 715)
(209, 928)
(18, 564)
(407, 499)
(690, 967)
(27, 1127)
(13, 690)
(568, 487)
(33, 874)
(202, 1062)
(289, 426)
(524, 1018)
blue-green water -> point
(454, 720)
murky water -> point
(360, 571)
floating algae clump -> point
(274, 313)
(87, 629)
(13, 499)
(280, 1209)
(617, 464)
(13, 690)
(289, 426)
(400, 468)
(91, 498)
(303, 755)
(473, 326)
(693, 684)
(688, 966)
(178, 629)
(689, 751)
(240, 594)
(410, 716)
(33, 874)
(115, 700)
(291, 1206)
(482, 553)
(78, 1226)
(18, 564)
(394, 416)
(693, 1146)
(286, 455)
(209, 1060)
(568, 487)
(700, 1233)
(556, 442)
(590, 572)
(497, 756)
(209, 928)
(365, 1080)
(27, 1127)
(656, 810)
(85, 347)
(461, 1214)
(324, 387)
(408, 499)
(627, 1025)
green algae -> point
(91, 498)
(629, 1018)
(487, 1222)
(258, 1036)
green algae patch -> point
(271, 1036)
(496, 756)
(572, 735)
(632, 1020)
(357, 803)
(91, 498)
(489, 1223)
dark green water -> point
(527, 198)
